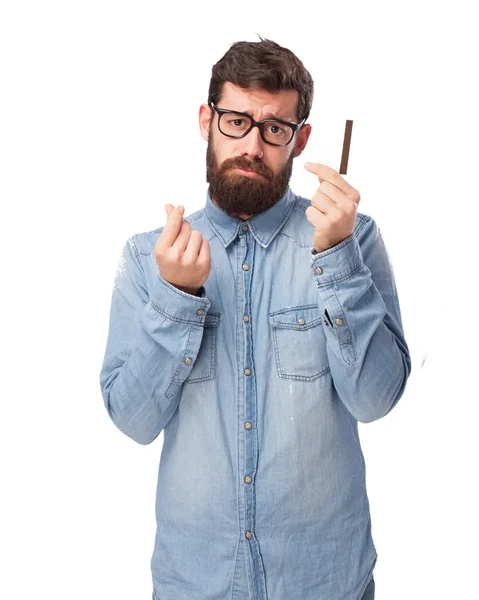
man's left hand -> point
(333, 208)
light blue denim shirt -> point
(258, 384)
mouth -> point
(249, 173)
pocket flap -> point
(212, 319)
(297, 317)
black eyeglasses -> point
(235, 124)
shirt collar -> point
(263, 226)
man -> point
(255, 334)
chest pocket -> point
(299, 342)
(204, 367)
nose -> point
(254, 144)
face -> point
(236, 191)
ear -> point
(302, 140)
(205, 118)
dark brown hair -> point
(263, 65)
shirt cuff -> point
(336, 263)
(177, 304)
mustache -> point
(243, 163)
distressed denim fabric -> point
(258, 384)
(369, 593)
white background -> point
(99, 129)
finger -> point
(336, 195)
(315, 216)
(169, 209)
(325, 173)
(172, 227)
(193, 247)
(183, 237)
(205, 252)
(324, 204)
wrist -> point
(187, 290)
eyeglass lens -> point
(236, 125)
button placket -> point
(249, 463)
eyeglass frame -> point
(222, 111)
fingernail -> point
(182, 208)
(307, 165)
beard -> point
(238, 194)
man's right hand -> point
(182, 255)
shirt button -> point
(248, 425)
(246, 319)
(248, 479)
(245, 267)
(248, 534)
(247, 371)
(188, 360)
(301, 321)
(245, 227)
(200, 311)
(339, 321)
(318, 270)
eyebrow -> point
(272, 116)
(268, 116)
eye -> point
(237, 122)
(276, 129)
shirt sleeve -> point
(153, 340)
(368, 355)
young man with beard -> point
(256, 333)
